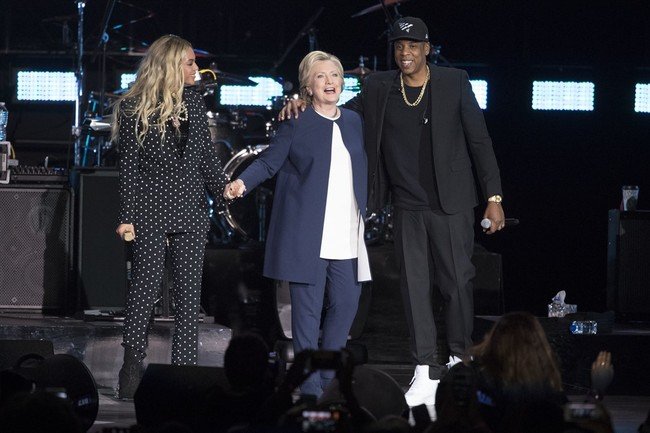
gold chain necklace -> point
(424, 87)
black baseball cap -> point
(410, 28)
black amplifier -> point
(38, 174)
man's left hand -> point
(494, 212)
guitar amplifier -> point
(628, 256)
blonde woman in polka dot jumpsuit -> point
(166, 162)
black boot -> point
(130, 373)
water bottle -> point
(4, 119)
(584, 327)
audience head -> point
(516, 353)
(246, 362)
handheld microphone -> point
(486, 223)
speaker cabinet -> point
(628, 256)
(488, 282)
(12, 350)
(177, 393)
(101, 259)
(35, 247)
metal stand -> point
(308, 30)
(79, 75)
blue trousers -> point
(339, 279)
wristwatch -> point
(496, 199)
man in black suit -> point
(424, 135)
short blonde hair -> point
(306, 65)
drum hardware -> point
(360, 71)
(214, 77)
(249, 215)
(383, 4)
(307, 30)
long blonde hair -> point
(304, 71)
(158, 88)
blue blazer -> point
(300, 154)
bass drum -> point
(249, 215)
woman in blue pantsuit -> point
(315, 236)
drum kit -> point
(238, 136)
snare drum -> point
(249, 215)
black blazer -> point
(460, 140)
(160, 189)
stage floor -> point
(385, 336)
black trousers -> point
(431, 243)
(187, 251)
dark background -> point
(561, 171)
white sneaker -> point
(453, 360)
(423, 389)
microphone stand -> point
(306, 30)
(102, 43)
(79, 76)
(390, 20)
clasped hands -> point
(234, 189)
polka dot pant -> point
(187, 251)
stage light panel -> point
(480, 89)
(45, 86)
(126, 80)
(563, 95)
(351, 87)
(260, 95)
(642, 98)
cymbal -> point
(360, 71)
(226, 78)
(378, 7)
(142, 51)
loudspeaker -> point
(56, 372)
(374, 389)
(174, 392)
(101, 259)
(35, 247)
(12, 350)
(628, 273)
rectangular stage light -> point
(126, 80)
(642, 98)
(480, 89)
(45, 86)
(563, 95)
(260, 95)
(351, 87)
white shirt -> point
(340, 227)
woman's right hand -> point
(126, 232)
(292, 107)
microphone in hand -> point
(486, 223)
